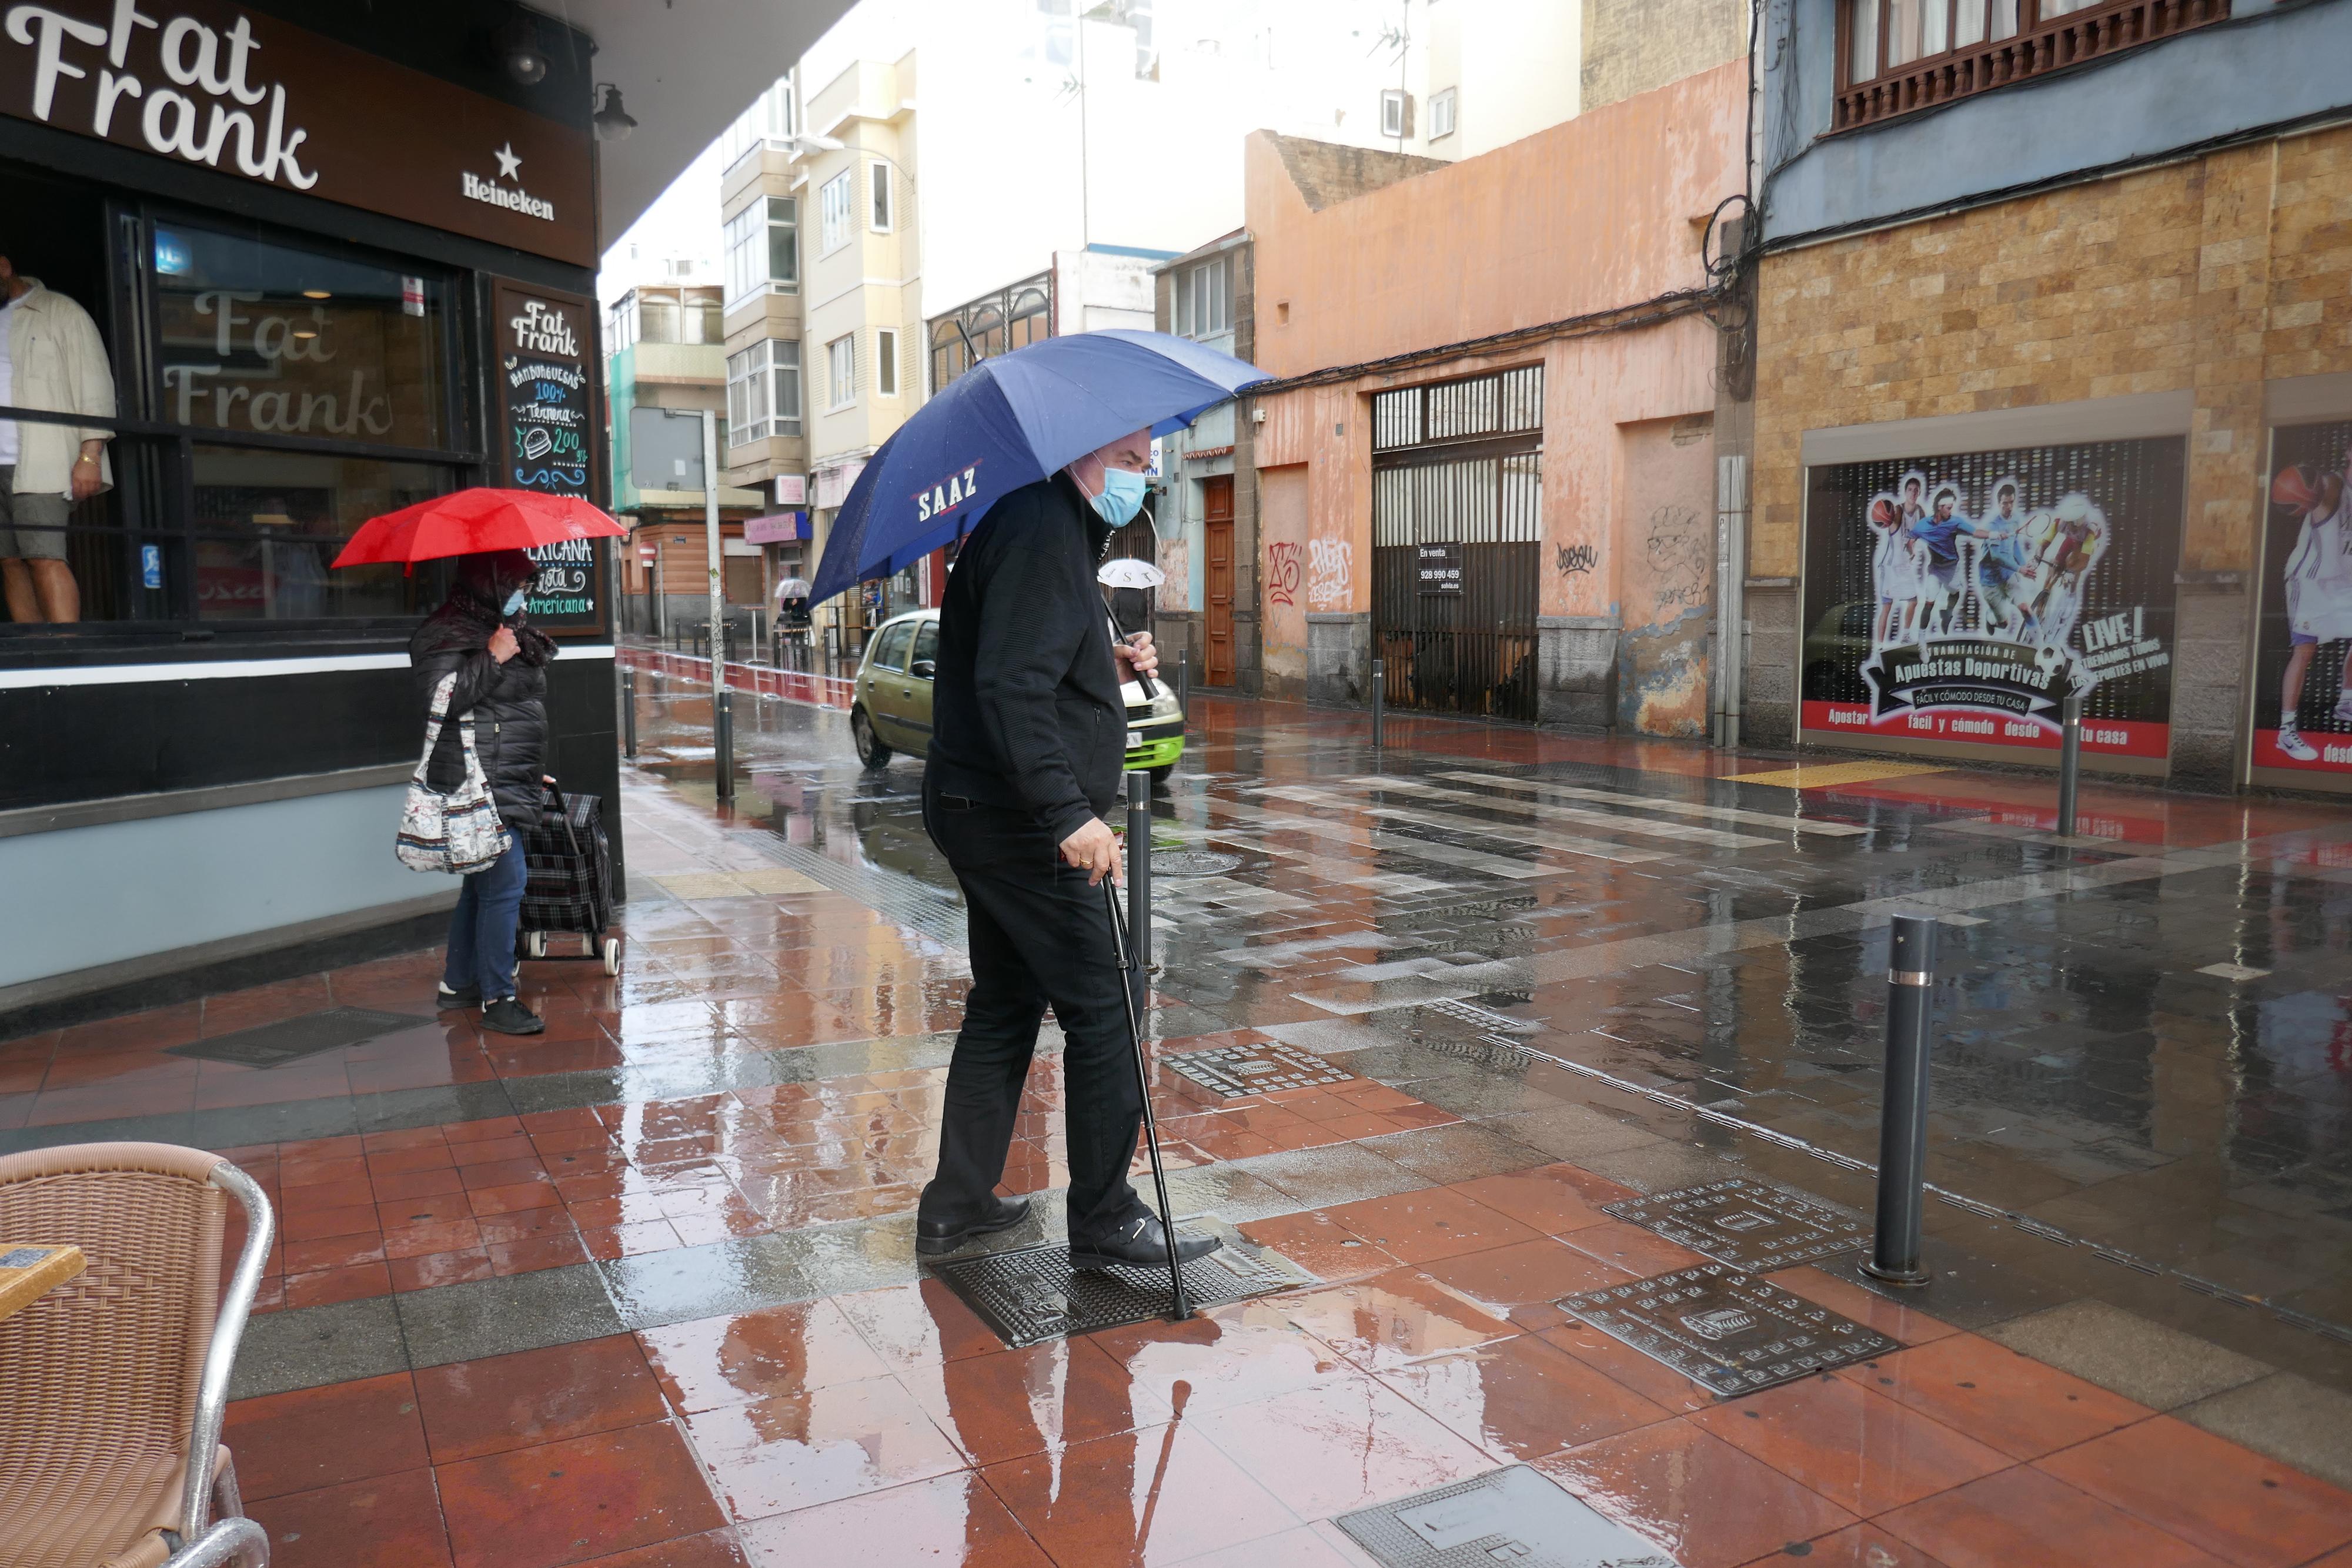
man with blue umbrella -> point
(1029, 737)
(1047, 447)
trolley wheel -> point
(534, 944)
(612, 954)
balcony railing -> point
(2051, 46)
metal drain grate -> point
(290, 1040)
(1236, 1070)
(1751, 1225)
(1718, 1326)
(1516, 1518)
(1477, 1017)
(1030, 1295)
(1193, 862)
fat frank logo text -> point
(944, 498)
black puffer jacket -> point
(508, 703)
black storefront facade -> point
(340, 260)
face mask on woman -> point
(515, 601)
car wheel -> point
(870, 749)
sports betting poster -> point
(2302, 709)
(1964, 598)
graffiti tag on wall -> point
(1574, 559)
(1330, 564)
(1282, 573)
(1680, 549)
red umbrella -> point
(473, 522)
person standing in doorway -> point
(1030, 737)
(2318, 577)
(51, 359)
(481, 636)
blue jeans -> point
(482, 929)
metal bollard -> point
(1902, 1115)
(1185, 680)
(722, 735)
(1380, 699)
(2070, 762)
(1138, 883)
(628, 713)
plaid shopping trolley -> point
(570, 884)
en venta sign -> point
(249, 96)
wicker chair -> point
(110, 1381)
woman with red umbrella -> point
(481, 636)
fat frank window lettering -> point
(946, 497)
(1964, 599)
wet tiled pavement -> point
(641, 1290)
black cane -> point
(1178, 1309)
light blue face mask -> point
(1121, 499)
(515, 601)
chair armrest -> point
(231, 1543)
(220, 1363)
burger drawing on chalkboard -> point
(537, 444)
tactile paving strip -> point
(1750, 1225)
(1236, 1070)
(1725, 1329)
(290, 1040)
(1516, 1518)
(1031, 1294)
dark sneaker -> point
(508, 1016)
(1140, 1240)
(934, 1236)
(447, 999)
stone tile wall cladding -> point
(2214, 275)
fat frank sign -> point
(248, 96)
(542, 442)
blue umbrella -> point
(1009, 421)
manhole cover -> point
(1750, 1225)
(1516, 1518)
(290, 1040)
(1031, 1294)
(1193, 862)
(1718, 1326)
(1236, 1070)
(1480, 1017)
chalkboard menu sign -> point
(543, 435)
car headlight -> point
(1165, 705)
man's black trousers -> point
(1039, 935)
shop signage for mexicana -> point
(215, 65)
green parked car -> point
(891, 711)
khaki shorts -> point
(32, 528)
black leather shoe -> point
(447, 1001)
(934, 1236)
(1139, 1240)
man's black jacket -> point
(1026, 708)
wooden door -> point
(1217, 512)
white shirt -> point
(7, 383)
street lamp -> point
(612, 122)
(805, 144)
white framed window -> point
(763, 390)
(886, 361)
(763, 249)
(1441, 114)
(878, 204)
(1202, 305)
(1396, 112)
(841, 371)
(833, 211)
